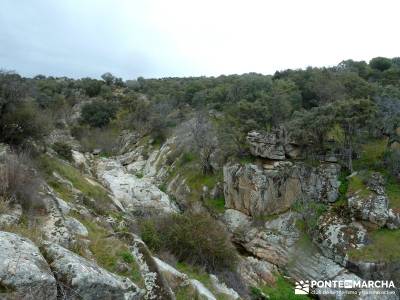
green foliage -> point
(150, 235)
(380, 63)
(187, 157)
(109, 252)
(281, 290)
(98, 113)
(192, 238)
(63, 149)
(101, 202)
(22, 123)
(371, 155)
(344, 185)
(92, 87)
(384, 247)
(311, 211)
(216, 205)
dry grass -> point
(19, 183)
(4, 205)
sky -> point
(163, 38)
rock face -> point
(373, 205)
(132, 192)
(256, 272)
(335, 237)
(83, 279)
(281, 243)
(156, 286)
(23, 270)
(274, 145)
(254, 190)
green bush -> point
(150, 235)
(98, 113)
(64, 150)
(193, 238)
(22, 123)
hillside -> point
(229, 187)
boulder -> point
(266, 145)
(275, 145)
(84, 279)
(23, 270)
(253, 190)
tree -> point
(352, 115)
(309, 128)
(92, 87)
(108, 78)
(380, 63)
(281, 101)
(205, 142)
(98, 113)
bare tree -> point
(205, 141)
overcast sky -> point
(159, 38)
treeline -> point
(326, 110)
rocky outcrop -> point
(57, 226)
(372, 204)
(254, 190)
(82, 279)
(177, 279)
(257, 272)
(282, 244)
(335, 237)
(275, 145)
(24, 273)
(156, 286)
(132, 192)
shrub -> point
(194, 238)
(96, 138)
(98, 113)
(23, 122)
(92, 87)
(63, 149)
(150, 235)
